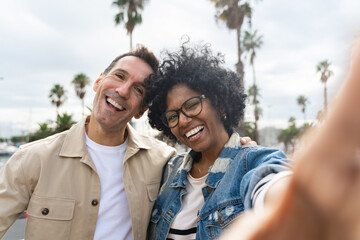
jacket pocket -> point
(224, 214)
(153, 190)
(49, 218)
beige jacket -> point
(56, 181)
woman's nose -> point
(183, 119)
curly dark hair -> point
(199, 69)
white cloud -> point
(45, 42)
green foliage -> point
(288, 136)
(326, 73)
(253, 93)
(44, 131)
(63, 122)
(57, 96)
(17, 139)
(302, 101)
(251, 42)
(81, 81)
(323, 68)
(250, 130)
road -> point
(16, 231)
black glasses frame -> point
(163, 116)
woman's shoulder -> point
(176, 160)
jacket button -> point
(45, 211)
(94, 202)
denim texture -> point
(230, 183)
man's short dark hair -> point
(141, 52)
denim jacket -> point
(230, 183)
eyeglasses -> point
(190, 108)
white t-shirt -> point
(114, 220)
(184, 224)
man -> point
(99, 180)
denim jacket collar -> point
(216, 171)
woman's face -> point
(204, 132)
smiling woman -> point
(198, 102)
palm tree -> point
(57, 96)
(302, 101)
(80, 82)
(326, 73)
(253, 92)
(252, 42)
(129, 14)
(233, 14)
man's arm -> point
(14, 193)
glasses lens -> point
(171, 118)
(192, 107)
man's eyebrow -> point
(121, 70)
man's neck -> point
(106, 137)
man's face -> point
(119, 94)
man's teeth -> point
(115, 104)
(194, 131)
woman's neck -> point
(200, 168)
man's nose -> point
(124, 90)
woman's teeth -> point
(194, 131)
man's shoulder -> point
(45, 142)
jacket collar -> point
(136, 142)
(216, 171)
(74, 144)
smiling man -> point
(98, 180)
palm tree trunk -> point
(240, 72)
(130, 41)
(82, 105)
(256, 113)
(325, 99)
(239, 64)
(303, 110)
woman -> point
(198, 102)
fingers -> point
(246, 141)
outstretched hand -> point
(322, 199)
(246, 141)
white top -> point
(184, 224)
(113, 220)
(261, 188)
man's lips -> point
(115, 104)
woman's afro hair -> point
(199, 69)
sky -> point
(44, 42)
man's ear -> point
(97, 83)
(137, 116)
